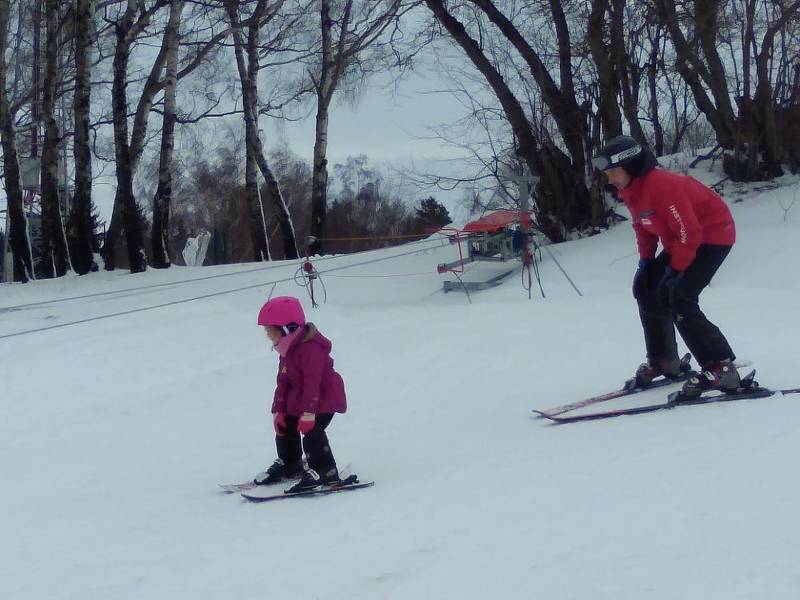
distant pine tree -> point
(432, 215)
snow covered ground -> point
(116, 431)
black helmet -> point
(624, 151)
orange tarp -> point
(493, 221)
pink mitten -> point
(306, 423)
(279, 422)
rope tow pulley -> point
(306, 274)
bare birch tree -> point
(54, 241)
(126, 216)
(247, 50)
(128, 27)
(346, 34)
(162, 200)
(81, 229)
(18, 227)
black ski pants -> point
(314, 443)
(704, 339)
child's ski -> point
(232, 488)
(351, 483)
(626, 391)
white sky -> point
(387, 124)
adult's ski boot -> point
(671, 368)
(721, 376)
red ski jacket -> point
(679, 211)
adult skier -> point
(696, 231)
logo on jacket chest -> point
(644, 217)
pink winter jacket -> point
(307, 381)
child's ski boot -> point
(311, 480)
(279, 471)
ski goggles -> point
(601, 162)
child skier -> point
(307, 395)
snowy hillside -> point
(116, 431)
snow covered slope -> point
(116, 431)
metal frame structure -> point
(487, 246)
(498, 244)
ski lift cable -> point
(536, 268)
(201, 297)
(140, 309)
(420, 274)
(135, 289)
(184, 281)
(466, 290)
(558, 264)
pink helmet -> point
(282, 311)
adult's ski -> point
(627, 390)
(675, 401)
(348, 484)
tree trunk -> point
(275, 196)
(319, 179)
(764, 101)
(628, 75)
(152, 86)
(126, 215)
(607, 80)
(18, 226)
(36, 106)
(696, 75)
(273, 189)
(319, 176)
(124, 202)
(652, 85)
(356, 34)
(569, 117)
(707, 29)
(54, 244)
(163, 197)
(81, 229)
(255, 210)
(257, 218)
(247, 62)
